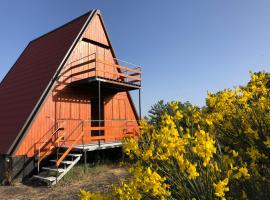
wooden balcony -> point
(83, 132)
(90, 69)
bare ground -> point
(95, 179)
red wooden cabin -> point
(67, 90)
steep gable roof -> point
(26, 84)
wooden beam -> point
(96, 43)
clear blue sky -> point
(186, 48)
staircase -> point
(62, 162)
(52, 174)
(64, 152)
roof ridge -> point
(56, 29)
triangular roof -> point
(26, 85)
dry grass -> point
(95, 179)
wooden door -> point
(96, 120)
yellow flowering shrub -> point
(174, 158)
(145, 181)
(85, 195)
(220, 151)
(216, 152)
(241, 122)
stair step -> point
(68, 162)
(49, 178)
(72, 154)
(54, 169)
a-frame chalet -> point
(67, 91)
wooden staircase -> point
(63, 150)
(52, 174)
(63, 162)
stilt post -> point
(99, 111)
(140, 110)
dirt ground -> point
(95, 179)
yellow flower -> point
(144, 179)
(216, 167)
(167, 121)
(220, 188)
(191, 170)
(91, 196)
(209, 122)
(147, 154)
(267, 142)
(234, 153)
(242, 172)
(127, 191)
(204, 146)
(174, 105)
(178, 115)
(180, 161)
(131, 146)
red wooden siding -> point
(96, 32)
(25, 83)
(73, 105)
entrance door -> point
(96, 120)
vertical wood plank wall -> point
(74, 105)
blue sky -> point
(186, 48)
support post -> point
(85, 160)
(38, 158)
(99, 111)
(140, 110)
(84, 151)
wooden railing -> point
(85, 127)
(46, 146)
(110, 129)
(94, 66)
(59, 160)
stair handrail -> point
(47, 141)
(72, 144)
(51, 136)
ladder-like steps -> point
(68, 162)
(45, 178)
(54, 169)
(53, 178)
(71, 154)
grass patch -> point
(81, 173)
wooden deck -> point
(97, 146)
(91, 68)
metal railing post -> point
(99, 111)
(140, 111)
(84, 151)
(95, 64)
(38, 158)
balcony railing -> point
(81, 133)
(93, 65)
(101, 130)
(110, 131)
